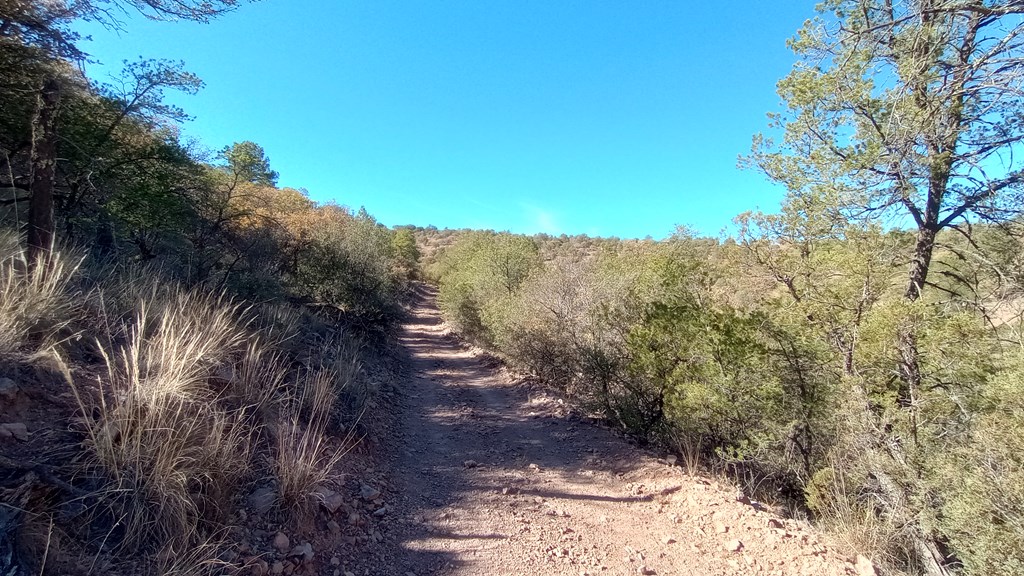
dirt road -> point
(491, 479)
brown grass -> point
(172, 454)
(37, 306)
(856, 525)
(193, 387)
(304, 457)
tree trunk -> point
(928, 552)
(910, 369)
(921, 263)
(43, 172)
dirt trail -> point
(489, 480)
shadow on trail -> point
(469, 442)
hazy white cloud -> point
(542, 220)
(475, 201)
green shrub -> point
(982, 482)
(478, 271)
(347, 262)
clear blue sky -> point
(601, 117)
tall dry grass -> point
(857, 523)
(260, 379)
(343, 356)
(688, 447)
(304, 456)
(172, 453)
(194, 389)
(38, 305)
(196, 399)
(329, 397)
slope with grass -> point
(148, 427)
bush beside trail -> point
(776, 359)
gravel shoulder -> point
(491, 478)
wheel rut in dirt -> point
(492, 478)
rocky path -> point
(490, 479)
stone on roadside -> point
(304, 551)
(281, 542)
(368, 492)
(734, 545)
(261, 500)
(16, 430)
(329, 499)
(259, 567)
(10, 392)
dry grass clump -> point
(858, 523)
(191, 395)
(198, 559)
(39, 304)
(259, 378)
(176, 343)
(327, 397)
(689, 447)
(344, 355)
(284, 326)
(187, 399)
(304, 457)
(172, 453)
